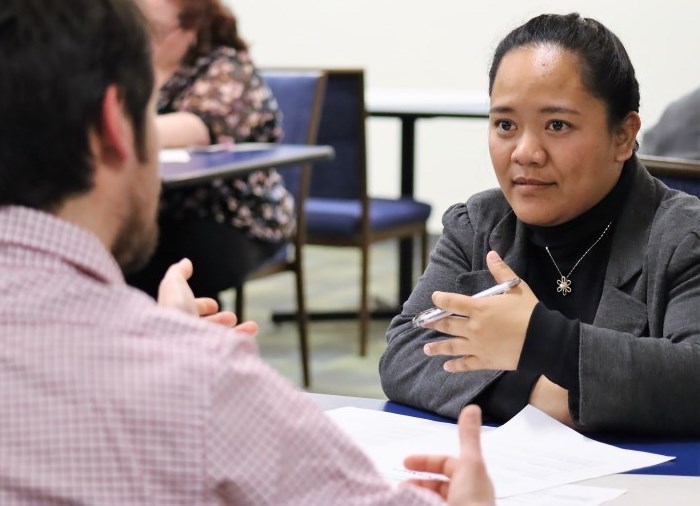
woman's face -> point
(551, 148)
(170, 42)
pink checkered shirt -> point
(107, 399)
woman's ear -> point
(626, 137)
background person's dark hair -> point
(215, 24)
(606, 69)
(58, 58)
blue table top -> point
(686, 450)
(205, 166)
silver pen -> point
(434, 314)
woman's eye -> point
(505, 125)
(557, 125)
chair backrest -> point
(343, 127)
(679, 173)
(299, 94)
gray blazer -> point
(639, 366)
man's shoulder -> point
(175, 329)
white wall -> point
(447, 44)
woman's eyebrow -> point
(501, 109)
(559, 110)
(546, 110)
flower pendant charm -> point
(564, 285)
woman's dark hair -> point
(215, 25)
(58, 59)
(606, 69)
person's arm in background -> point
(176, 129)
(181, 129)
(228, 102)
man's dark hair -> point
(57, 59)
(606, 69)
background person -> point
(604, 332)
(211, 91)
(677, 133)
(106, 397)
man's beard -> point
(136, 240)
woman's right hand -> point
(491, 331)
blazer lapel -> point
(619, 308)
(509, 239)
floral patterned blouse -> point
(225, 90)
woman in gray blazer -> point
(603, 331)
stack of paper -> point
(531, 453)
(173, 156)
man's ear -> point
(111, 140)
(626, 136)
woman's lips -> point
(531, 182)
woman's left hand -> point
(491, 331)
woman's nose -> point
(529, 151)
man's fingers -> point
(225, 318)
(442, 488)
(439, 464)
(174, 292)
(206, 306)
(248, 327)
(176, 273)
(470, 433)
(184, 268)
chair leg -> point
(238, 305)
(303, 324)
(424, 250)
(364, 300)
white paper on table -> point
(565, 495)
(173, 156)
(531, 452)
(371, 430)
(230, 146)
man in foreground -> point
(105, 396)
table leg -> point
(408, 155)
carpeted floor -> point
(332, 283)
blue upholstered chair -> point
(300, 97)
(339, 211)
(678, 173)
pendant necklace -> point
(564, 282)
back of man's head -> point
(58, 58)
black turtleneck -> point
(551, 345)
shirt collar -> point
(45, 233)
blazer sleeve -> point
(407, 374)
(648, 380)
